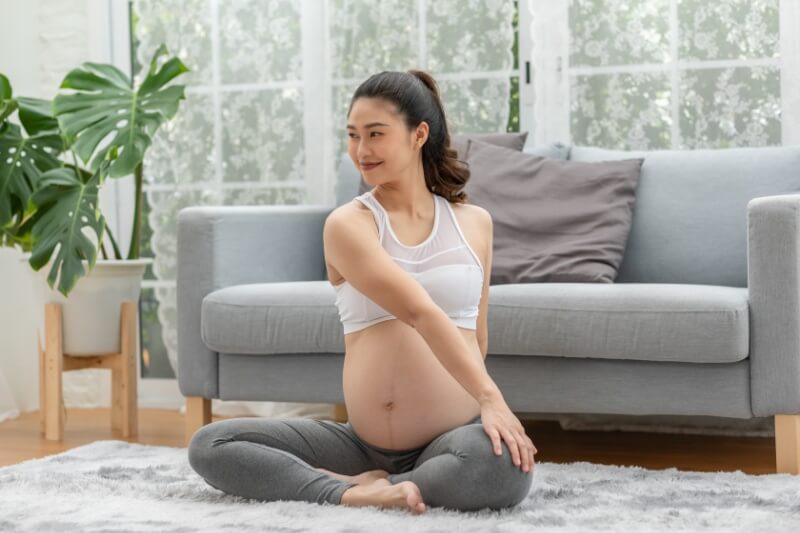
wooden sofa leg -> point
(198, 414)
(787, 444)
(340, 412)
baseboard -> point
(157, 393)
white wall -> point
(40, 41)
(19, 46)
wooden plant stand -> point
(53, 361)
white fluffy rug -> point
(113, 485)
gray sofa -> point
(703, 319)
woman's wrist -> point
(491, 396)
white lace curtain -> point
(264, 118)
(665, 73)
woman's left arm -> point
(482, 332)
(498, 420)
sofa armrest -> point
(773, 280)
(219, 246)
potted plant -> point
(98, 126)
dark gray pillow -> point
(554, 220)
(513, 140)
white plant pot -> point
(91, 312)
(19, 366)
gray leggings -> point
(272, 459)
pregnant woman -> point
(409, 261)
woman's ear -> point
(422, 133)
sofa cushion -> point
(554, 220)
(650, 322)
(277, 317)
(511, 140)
(686, 323)
(690, 221)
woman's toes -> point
(413, 497)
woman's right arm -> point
(353, 249)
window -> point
(270, 81)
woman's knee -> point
(498, 482)
(202, 443)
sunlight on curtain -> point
(241, 138)
(663, 73)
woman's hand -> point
(499, 422)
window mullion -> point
(675, 130)
(315, 96)
(550, 71)
(790, 71)
(526, 95)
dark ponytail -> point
(416, 96)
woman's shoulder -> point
(475, 213)
(350, 209)
(353, 214)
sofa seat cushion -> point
(266, 318)
(651, 322)
(644, 321)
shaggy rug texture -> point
(112, 485)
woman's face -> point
(380, 145)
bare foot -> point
(363, 478)
(382, 493)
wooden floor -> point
(20, 440)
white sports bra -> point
(444, 264)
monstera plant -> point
(97, 127)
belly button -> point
(389, 406)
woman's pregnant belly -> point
(398, 395)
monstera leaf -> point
(24, 158)
(104, 104)
(65, 204)
(7, 103)
(36, 115)
(51, 207)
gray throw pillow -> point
(513, 140)
(554, 220)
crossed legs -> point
(280, 459)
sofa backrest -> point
(690, 216)
(348, 177)
(347, 180)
